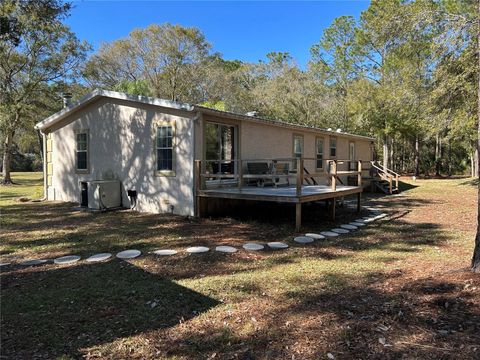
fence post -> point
(198, 184)
(300, 177)
(240, 173)
(390, 184)
(359, 181)
(334, 175)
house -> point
(170, 156)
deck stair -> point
(384, 179)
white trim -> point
(94, 95)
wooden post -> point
(396, 182)
(299, 177)
(298, 216)
(390, 184)
(334, 175)
(240, 174)
(359, 181)
(359, 204)
(198, 182)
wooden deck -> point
(297, 194)
(309, 193)
(281, 194)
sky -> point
(246, 30)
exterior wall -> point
(121, 142)
(265, 141)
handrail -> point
(388, 170)
(301, 174)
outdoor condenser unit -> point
(100, 194)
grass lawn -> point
(398, 288)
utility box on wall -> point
(100, 194)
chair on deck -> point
(281, 169)
(259, 168)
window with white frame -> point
(319, 153)
(333, 147)
(81, 150)
(165, 149)
(297, 148)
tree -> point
(167, 57)
(476, 251)
(36, 49)
(335, 56)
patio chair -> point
(281, 169)
(259, 168)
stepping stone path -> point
(197, 249)
(226, 249)
(33, 262)
(99, 257)
(329, 233)
(303, 239)
(166, 252)
(349, 227)
(128, 254)
(315, 236)
(277, 245)
(340, 231)
(253, 247)
(69, 259)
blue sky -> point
(239, 30)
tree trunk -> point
(476, 251)
(472, 165)
(7, 157)
(385, 151)
(416, 156)
(437, 155)
(391, 161)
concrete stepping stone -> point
(4, 264)
(277, 245)
(341, 231)
(69, 259)
(197, 249)
(360, 221)
(381, 216)
(329, 233)
(253, 247)
(303, 239)
(165, 252)
(99, 257)
(226, 249)
(368, 220)
(357, 223)
(128, 254)
(349, 227)
(315, 236)
(33, 262)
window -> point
(220, 150)
(351, 156)
(165, 149)
(82, 151)
(319, 154)
(333, 147)
(297, 148)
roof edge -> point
(97, 93)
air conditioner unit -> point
(100, 194)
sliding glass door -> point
(221, 146)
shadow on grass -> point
(50, 312)
(471, 182)
(354, 317)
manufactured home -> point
(116, 150)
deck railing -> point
(238, 177)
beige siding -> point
(121, 142)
